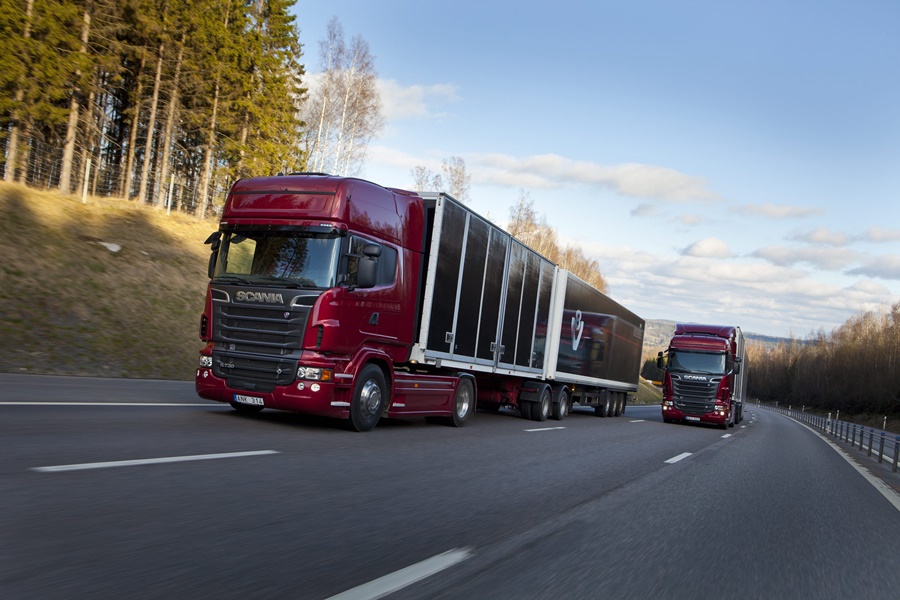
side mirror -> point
(366, 275)
(214, 241)
(659, 361)
(737, 367)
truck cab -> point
(704, 375)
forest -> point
(854, 369)
(161, 101)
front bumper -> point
(670, 413)
(327, 399)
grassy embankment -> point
(70, 306)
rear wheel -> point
(369, 397)
(561, 403)
(525, 409)
(604, 409)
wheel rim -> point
(371, 397)
(463, 403)
(564, 405)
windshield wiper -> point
(232, 279)
(286, 282)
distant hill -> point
(658, 331)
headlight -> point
(205, 361)
(314, 374)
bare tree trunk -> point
(87, 148)
(13, 147)
(208, 154)
(128, 175)
(65, 176)
(170, 120)
(151, 126)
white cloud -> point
(823, 236)
(414, 101)
(708, 248)
(645, 210)
(630, 179)
(690, 220)
(832, 259)
(878, 234)
(774, 211)
(886, 266)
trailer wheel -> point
(463, 403)
(560, 403)
(368, 399)
(606, 408)
(525, 408)
(541, 410)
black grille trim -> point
(695, 397)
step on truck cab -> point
(338, 297)
(705, 375)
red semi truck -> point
(705, 375)
(338, 297)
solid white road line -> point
(681, 456)
(546, 429)
(397, 580)
(883, 488)
(102, 404)
(149, 461)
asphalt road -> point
(287, 506)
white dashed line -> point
(681, 456)
(637, 421)
(727, 435)
(398, 580)
(545, 429)
(149, 461)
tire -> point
(463, 402)
(561, 403)
(369, 398)
(246, 409)
(617, 405)
(541, 410)
(525, 409)
(599, 411)
(605, 409)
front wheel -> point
(463, 402)
(369, 398)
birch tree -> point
(345, 105)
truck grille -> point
(256, 348)
(694, 397)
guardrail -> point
(884, 444)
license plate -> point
(251, 400)
(692, 418)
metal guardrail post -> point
(862, 434)
(881, 450)
(871, 434)
(896, 453)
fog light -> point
(205, 361)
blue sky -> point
(725, 161)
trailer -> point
(359, 302)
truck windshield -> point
(293, 258)
(696, 362)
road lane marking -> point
(545, 429)
(883, 488)
(727, 435)
(681, 456)
(381, 587)
(149, 461)
(637, 421)
(101, 404)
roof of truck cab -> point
(722, 331)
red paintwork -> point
(395, 218)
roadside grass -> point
(71, 306)
(647, 393)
